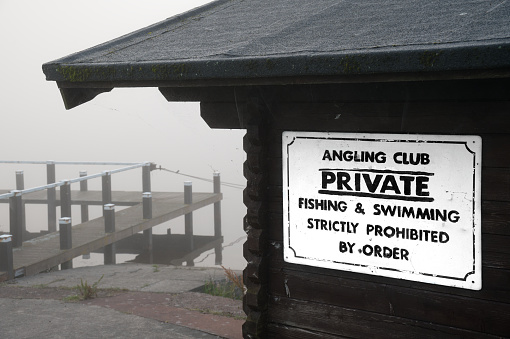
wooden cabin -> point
(325, 90)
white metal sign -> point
(400, 206)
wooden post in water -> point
(20, 185)
(6, 258)
(217, 219)
(147, 214)
(16, 218)
(66, 239)
(20, 181)
(107, 188)
(65, 205)
(84, 207)
(109, 227)
(188, 220)
(52, 197)
(147, 207)
(109, 216)
(65, 199)
(146, 177)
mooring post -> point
(146, 177)
(20, 186)
(109, 216)
(217, 219)
(107, 188)
(84, 187)
(20, 182)
(188, 219)
(147, 214)
(16, 218)
(147, 205)
(66, 239)
(52, 197)
(6, 259)
(65, 199)
(109, 227)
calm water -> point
(125, 125)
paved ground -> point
(135, 301)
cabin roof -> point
(240, 42)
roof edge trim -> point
(426, 59)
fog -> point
(125, 125)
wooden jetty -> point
(45, 252)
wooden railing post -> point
(84, 207)
(109, 227)
(20, 185)
(65, 199)
(20, 181)
(146, 177)
(147, 214)
(16, 218)
(107, 188)
(217, 219)
(6, 258)
(147, 205)
(188, 219)
(66, 239)
(52, 197)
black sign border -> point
(387, 268)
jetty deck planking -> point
(43, 253)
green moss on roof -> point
(74, 74)
(177, 70)
(349, 65)
(427, 59)
(85, 73)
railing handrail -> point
(72, 181)
(69, 162)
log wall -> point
(295, 301)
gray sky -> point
(128, 125)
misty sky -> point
(128, 125)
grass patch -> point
(231, 287)
(88, 291)
(72, 298)
(93, 292)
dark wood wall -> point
(295, 301)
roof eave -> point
(439, 62)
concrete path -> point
(30, 318)
(159, 304)
(134, 277)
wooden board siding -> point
(311, 302)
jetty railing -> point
(17, 226)
(17, 211)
